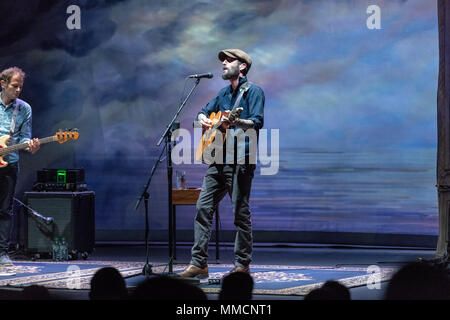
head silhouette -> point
(236, 286)
(419, 281)
(330, 290)
(35, 292)
(108, 284)
(166, 288)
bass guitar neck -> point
(60, 136)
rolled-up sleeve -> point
(256, 100)
(24, 133)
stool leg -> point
(217, 233)
(174, 230)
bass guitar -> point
(60, 136)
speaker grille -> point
(41, 235)
(73, 219)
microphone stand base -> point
(193, 281)
(147, 270)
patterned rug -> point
(290, 280)
(300, 280)
(63, 275)
(268, 279)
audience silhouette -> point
(108, 284)
(330, 290)
(236, 286)
(162, 287)
(35, 292)
(419, 281)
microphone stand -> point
(167, 137)
(147, 270)
(47, 220)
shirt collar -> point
(241, 81)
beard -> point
(230, 73)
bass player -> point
(15, 121)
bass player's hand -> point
(33, 145)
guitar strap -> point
(242, 89)
(13, 120)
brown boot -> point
(245, 269)
(195, 272)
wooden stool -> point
(189, 197)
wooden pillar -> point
(443, 126)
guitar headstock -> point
(66, 135)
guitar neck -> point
(233, 113)
(217, 125)
(7, 150)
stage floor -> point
(264, 254)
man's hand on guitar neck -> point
(33, 145)
(226, 122)
(238, 122)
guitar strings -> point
(10, 149)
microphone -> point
(47, 220)
(201, 75)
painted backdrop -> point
(355, 107)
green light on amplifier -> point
(61, 176)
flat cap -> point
(237, 54)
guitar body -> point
(3, 144)
(209, 135)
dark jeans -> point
(220, 180)
(8, 179)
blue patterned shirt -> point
(22, 130)
(252, 102)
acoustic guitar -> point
(60, 136)
(209, 135)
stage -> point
(292, 269)
(347, 104)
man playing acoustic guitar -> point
(15, 120)
(233, 177)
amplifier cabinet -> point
(73, 215)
